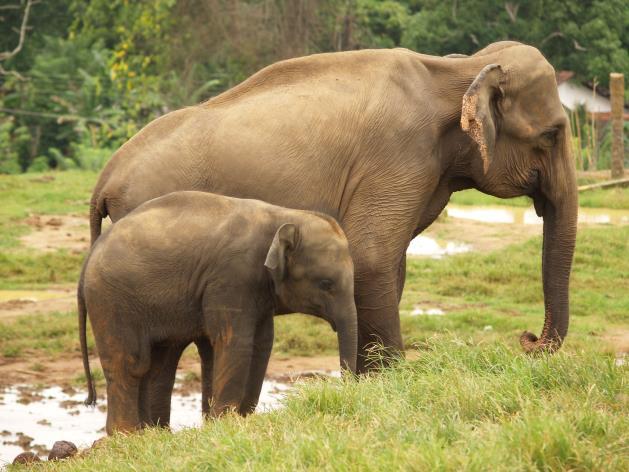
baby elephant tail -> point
(91, 389)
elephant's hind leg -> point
(158, 384)
(125, 363)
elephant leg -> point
(401, 278)
(232, 361)
(157, 390)
(207, 361)
(124, 371)
(263, 345)
(378, 318)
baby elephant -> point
(194, 265)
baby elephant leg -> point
(232, 358)
(125, 362)
(263, 344)
(207, 362)
(157, 386)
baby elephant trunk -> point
(347, 331)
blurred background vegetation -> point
(86, 75)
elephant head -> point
(521, 135)
(312, 272)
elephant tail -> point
(82, 308)
(98, 211)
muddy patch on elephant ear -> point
(472, 124)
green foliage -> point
(94, 72)
(11, 140)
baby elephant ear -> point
(284, 241)
(478, 118)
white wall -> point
(572, 95)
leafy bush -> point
(39, 164)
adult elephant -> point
(378, 139)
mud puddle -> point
(33, 419)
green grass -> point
(47, 335)
(30, 269)
(36, 194)
(459, 406)
(39, 194)
(616, 198)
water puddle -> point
(418, 311)
(32, 296)
(429, 247)
(527, 216)
(35, 419)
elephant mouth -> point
(539, 202)
(534, 191)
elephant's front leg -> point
(263, 345)
(377, 301)
(233, 351)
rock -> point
(62, 450)
(26, 458)
(100, 442)
(54, 222)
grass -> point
(458, 406)
(616, 198)
(30, 269)
(468, 399)
(46, 335)
(37, 194)
(24, 195)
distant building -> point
(574, 94)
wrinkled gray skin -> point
(198, 266)
(378, 139)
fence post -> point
(617, 86)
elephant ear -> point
(478, 118)
(284, 241)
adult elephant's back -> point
(290, 135)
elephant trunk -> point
(347, 333)
(559, 211)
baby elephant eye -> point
(549, 138)
(326, 285)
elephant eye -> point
(549, 137)
(326, 285)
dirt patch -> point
(15, 303)
(619, 338)
(54, 232)
(482, 237)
